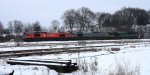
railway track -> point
(50, 51)
(80, 46)
(21, 44)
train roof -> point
(45, 32)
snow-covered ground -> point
(132, 55)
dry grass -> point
(125, 69)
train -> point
(67, 36)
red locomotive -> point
(43, 36)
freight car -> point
(44, 36)
(89, 36)
(104, 35)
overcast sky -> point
(47, 10)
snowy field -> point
(132, 55)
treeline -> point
(83, 20)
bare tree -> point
(10, 27)
(101, 19)
(69, 19)
(1, 28)
(149, 15)
(86, 19)
(6, 31)
(55, 25)
(82, 20)
(29, 28)
(126, 17)
(62, 29)
(18, 25)
(37, 26)
(15, 26)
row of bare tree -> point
(83, 19)
(18, 27)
